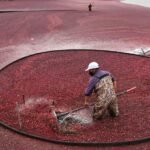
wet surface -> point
(35, 83)
(83, 116)
(101, 29)
(22, 34)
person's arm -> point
(86, 100)
(89, 89)
(115, 85)
(114, 81)
(91, 84)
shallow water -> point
(83, 116)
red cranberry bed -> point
(32, 87)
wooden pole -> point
(18, 115)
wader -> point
(106, 101)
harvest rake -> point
(59, 115)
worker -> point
(90, 7)
(104, 85)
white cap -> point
(92, 65)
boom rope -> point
(71, 143)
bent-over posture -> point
(103, 84)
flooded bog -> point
(33, 88)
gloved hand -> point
(86, 104)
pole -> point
(83, 107)
(18, 114)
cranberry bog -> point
(32, 87)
